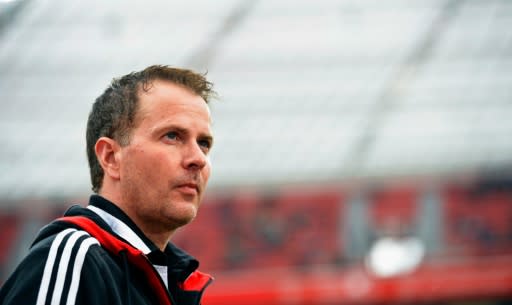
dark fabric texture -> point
(69, 266)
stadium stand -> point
(324, 106)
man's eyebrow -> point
(177, 129)
(207, 137)
(168, 127)
(181, 130)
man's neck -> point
(155, 233)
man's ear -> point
(107, 152)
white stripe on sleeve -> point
(48, 267)
(77, 269)
(63, 266)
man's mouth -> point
(189, 188)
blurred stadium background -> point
(363, 147)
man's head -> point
(148, 138)
(114, 111)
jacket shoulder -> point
(54, 268)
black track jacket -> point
(98, 256)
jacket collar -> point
(124, 227)
(120, 223)
(121, 229)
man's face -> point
(165, 167)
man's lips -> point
(189, 188)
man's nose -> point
(194, 157)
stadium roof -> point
(310, 91)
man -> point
(148, 139)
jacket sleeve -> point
(61, 270)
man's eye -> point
(205, 144)
(171, 135)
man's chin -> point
(184, 217)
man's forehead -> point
(171, 98)
(155, 85)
